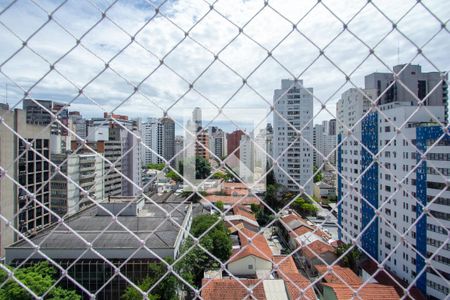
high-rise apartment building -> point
(415, 83)
(24, 157)
(159, 136)
(233, 141)
(324, 142)
(247, 158)
(179, 146)
(202, 145)
(294, 106)
(152, 138)
(118, 132)
(79, 124)
(397, 185)
(197, 119)
(168, 139)
(217, 141)
(40, 112)
(85, 171)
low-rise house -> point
(242, 215)
(252, 258)
(317, 253)
(236, 289)
(338, 275)
(372, 291)
(370, 273)
(323, 190)
(299, 287)
(299, 232)
(283, 283)
(230, 200)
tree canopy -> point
(351, 259)
(304, 207)
(39, 278)
(159, 166)
(165, 289)
(202, 168)
(319, 176)
(217, 241)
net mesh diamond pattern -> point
(344, 196)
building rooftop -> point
(258, 248)
(370, 291)
(383, 277)
(94, 225)
(241, 211)
(316, 249)
(230, 200)
(232, 289)
(339, 275)
(292, 221)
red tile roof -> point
(231, 289)
(288, 221)
(235, 185)
(383, 277)
(299, 231)
(294, 281)
(370, 291)
(239, 210)
(317, 248)
(233, 199)
(259, 247)
(346, 274)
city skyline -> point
(224, 149)
(164, 87)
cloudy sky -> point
(191, 59)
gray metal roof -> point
(151, 224)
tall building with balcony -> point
(233, 141)
(168, 139)
(397, 204)
(324, 142)
(415, 84)
(293, 104)
(152, 138)
(79, 124)
(217, 141)
(42, 112)
(25, 157)
(78, 172)
(119, 131)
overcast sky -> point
(222, 81)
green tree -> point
(217, 241)
(174, 176)
(220, 206)
(319, 176)
(304, 207)
(351, 259)
(270, 197)
(39, 278)
(165, 289)
(262, 216)
(202, 168)
(159, 166)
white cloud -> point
(213, 32)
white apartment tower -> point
(325, 143)
(293, 104)
(400, 184)
(352, 106)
